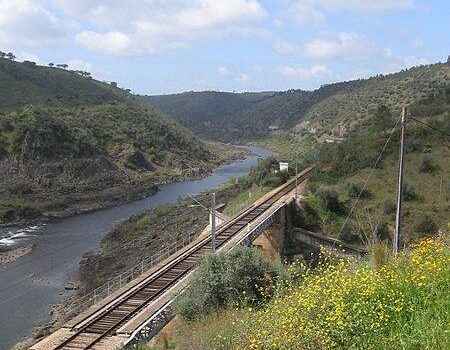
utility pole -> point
(213, 221)
(296, 173)
(398, 217)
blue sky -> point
(166, 46)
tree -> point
(2, 54)
(11, 56)
(51, 64)
(62, 65)
(30, 64)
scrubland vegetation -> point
(331, 112)
(69, 143)
(343, 167)
(379, 303)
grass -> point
(431, 188)
(286, 144)
(245, 198)
(401, 304)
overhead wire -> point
(369, 176)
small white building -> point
(284, 166)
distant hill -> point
(347, 109)
(208, 112)
(331, 111)
(343, 167)
(71, 143)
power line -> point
(429, 126)
(368, 178)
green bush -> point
(305, 217)
(349, 235)
(409, 192)
(427, 165)
(356, 188)
(383, 231)
(225, 279)
(329, 198)
(389, 206)
(426, 225)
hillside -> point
(343, 167)
(69, 143)
(330, 112)
(205, 112)
(27, 83)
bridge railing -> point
(115, 283)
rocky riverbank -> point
(9, 256)
(38, 207)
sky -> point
(168, 46)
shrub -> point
(355, 189)
(379, 254)
(383, 231)
(389, 206)
(224, 280)
(409, 192)
(329, 198)
(348, 234)
(427, 225)
(427, 165)
(306, 217)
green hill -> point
(342, 128)
(330, 112)
(27, 83)
(69, 143)
(343, 168)
(207, 112)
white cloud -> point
(26, 56)
(304, 14)
(149, 26)
(27, 23)
(223, 71)
(79, 65)
(303, 74)
(285, 47)
(115, 43)
(394, 62)
(347, 45)
(243, 78)
(369, 6)
(411, 61)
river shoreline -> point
(123, 194)
(37, 281)
(11, 255)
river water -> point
(31, 285)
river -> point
(31, 285)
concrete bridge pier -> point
(272, 241)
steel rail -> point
(168, 275)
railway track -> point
(96, 327)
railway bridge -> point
(139, 309)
